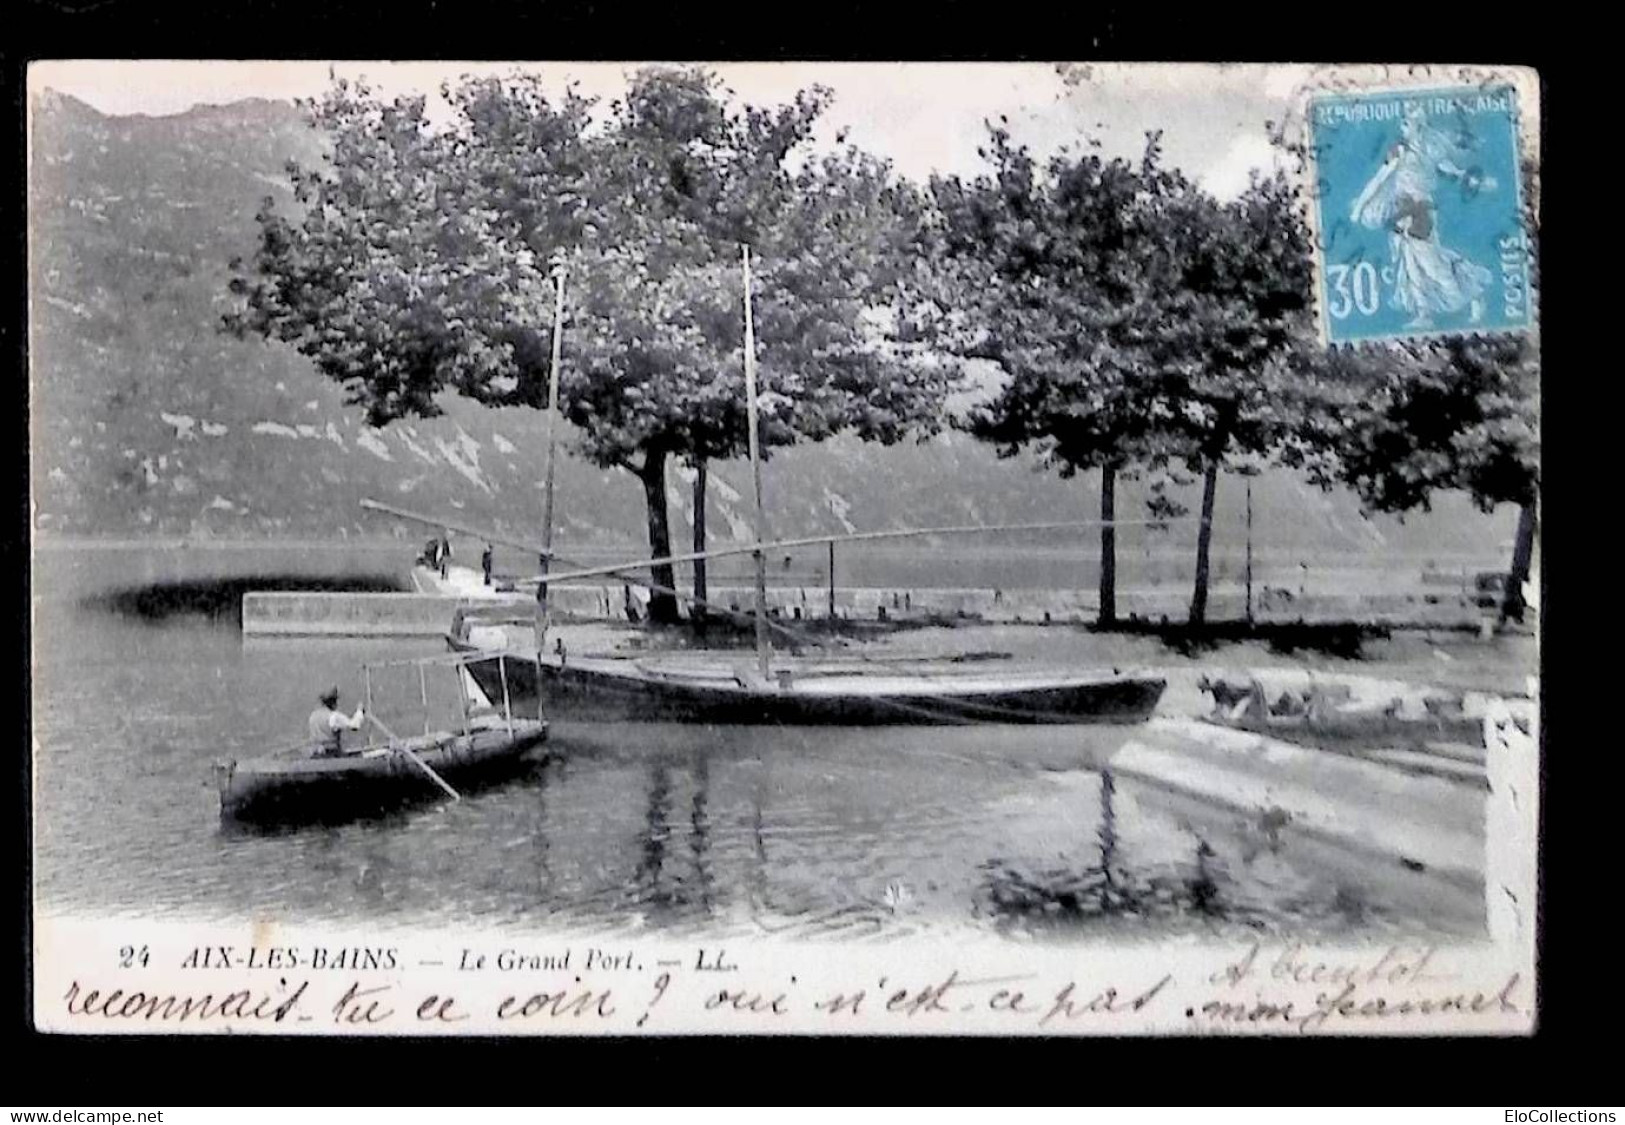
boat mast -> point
(552, 419)
(756, 472)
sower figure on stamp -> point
(328, 724)
(1429, 278)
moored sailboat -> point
(876, 691)
(638, 690)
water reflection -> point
(541, 850)
(854, 834)
(756, 871)
(700, 835)
(1204, 870)
(650, 889)
(1066, 892)
(325, 823)
(1114, 895)
(222, 598)
(673, 879)
(1204, 885)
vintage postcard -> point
(850, 549)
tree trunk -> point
(1523, 551)
(1108, 547)
(1204, 540)
(701, 591)
(662, 602)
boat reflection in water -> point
(634, 828)
(857, 833)
(1109, 887)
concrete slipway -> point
(1421, 823)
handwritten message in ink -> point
(1284, 989)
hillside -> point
(146, 420)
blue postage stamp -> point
(1420, 215)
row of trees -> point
(1143, 327)
(420, 261)
(1147, 329)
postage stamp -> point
(1419, 207)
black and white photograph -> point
(832, 548)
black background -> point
(1580, 977)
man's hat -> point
(330, 696)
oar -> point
(397, 744)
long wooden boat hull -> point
(624, 690)
(307, 789)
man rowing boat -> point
(328, 724)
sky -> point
(924, 117)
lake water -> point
(855, 833)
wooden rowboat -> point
(493, 745)
(304, 789)
(626, 690)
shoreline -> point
(1485, 559)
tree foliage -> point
(1058, 274)
(1399, 421)
(383, 278)
(1404, 422)
(422, 262)
(1061, 273)
(1139, 321)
